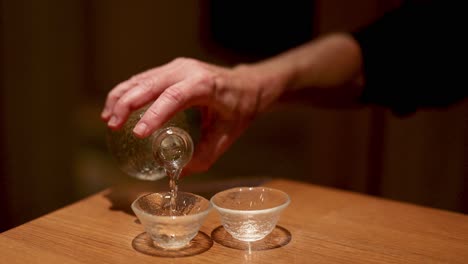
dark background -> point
(60, 58)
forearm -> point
(326, 71)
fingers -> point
(136, 81)
(121, 89)
(114, 96)
(141, 94)
(174, 99)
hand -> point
(228, 98)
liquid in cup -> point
(168, 228)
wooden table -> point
(324, 226)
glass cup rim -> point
(196, 215)
(258, 211)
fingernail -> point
(113, 121)
(140, 129)
(105, 113)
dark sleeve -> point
(414, 57)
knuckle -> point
(188, 62)
(180, 60)
(122, 103)
(174, 95)
(126, 101)
(147, 83)
(248, 107)
(113, 95)
(150, 114)
(219, 89)
(135, 78)
(205, 78)
(217, 84)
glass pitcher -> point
(170, 146)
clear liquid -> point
(173, 175)
(173, 152)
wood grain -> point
(326, 226)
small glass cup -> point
(250, 213)
(171, 229)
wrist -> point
(267, 79)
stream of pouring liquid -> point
(173, 174)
